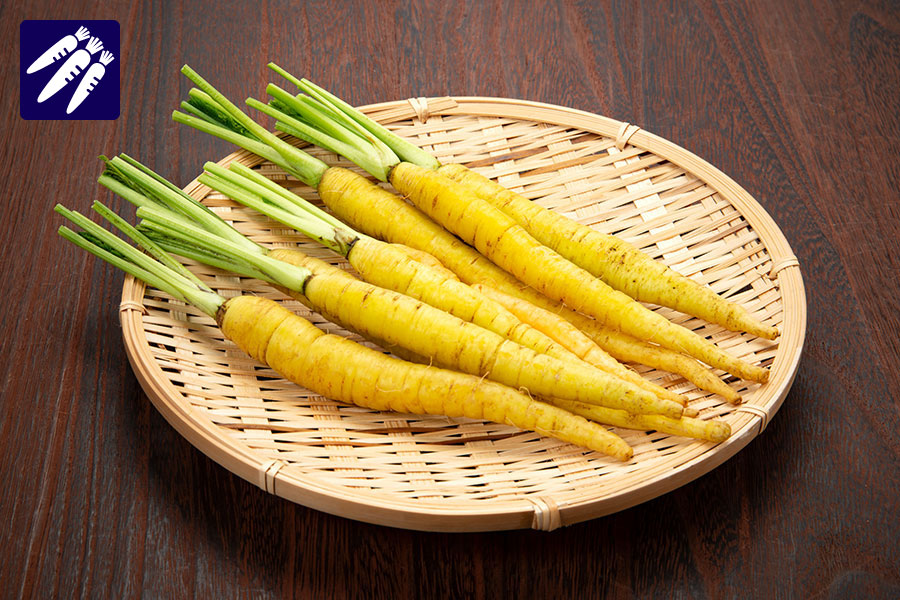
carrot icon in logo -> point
(58, 50)
(94, 74)
(55, 54)
(73, 67)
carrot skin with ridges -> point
(384, 265)
(624, 347)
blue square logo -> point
(69, 70)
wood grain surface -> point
(798, 102)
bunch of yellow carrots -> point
(520, 315)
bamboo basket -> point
(442, 474)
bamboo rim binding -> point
(421, 473)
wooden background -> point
(797, 101)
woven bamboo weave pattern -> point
(457, 474)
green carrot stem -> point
(126, 257)
(357, 151)
(117, 186)
(147, 244)
(165, 193)
(271, 270)
(405, 149)
(253, 196)
(294, 200)
(201, 255)
(325, 120)
(213, 111)
(174, 189)
(299, 110)
(261, 149)
(309, 169)
(187, 107)
(88, 242)
(284, 74)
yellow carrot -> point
(318, 174)
(505, 242)
(448, 340)
(387, 267)
(374, 311)
(621, 265)
(615, 261)
(343, 370)
(564, 332)
(624, 347)
(381, 214)
(425, 259)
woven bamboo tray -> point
(442, 474)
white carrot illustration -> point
(58, 50)
(74, 65)
(93, 75)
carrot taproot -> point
(249, 188)
(496, 235)
(449, 341)
(338, 368)
(425, 259)
(626, 348)
(620, 346)
(692, 427)
(345, 371)
(389, 267)
(384, 215)
(384, 265)
(378, 213)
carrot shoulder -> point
(343, 370)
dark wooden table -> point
(799, 102)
